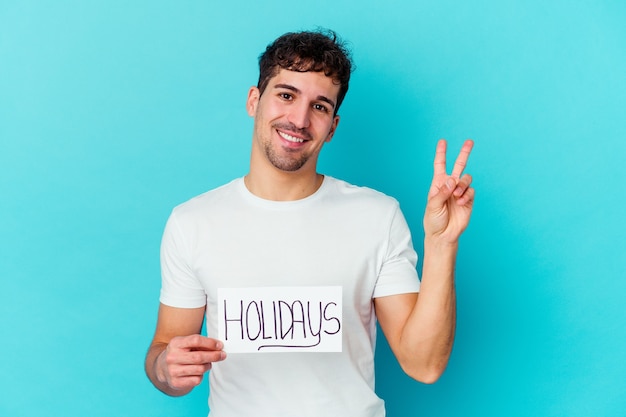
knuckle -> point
(176, 372)
(205, 357)
(199, 370)
(196, 357)
(170, 358)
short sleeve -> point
(179, 285)
(398, 274)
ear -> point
(332, 129)
(253, 100)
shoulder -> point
(357, 194)
(208, 201)
(361, 204)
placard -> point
(280, 319)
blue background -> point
(113, 112)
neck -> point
(283, 186)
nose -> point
(299, 115)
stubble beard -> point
(283, 158)
(285, 162)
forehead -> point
(308, 83)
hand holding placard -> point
(185, 360)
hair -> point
(319, 51)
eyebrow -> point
(297, 91)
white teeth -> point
(290, 138)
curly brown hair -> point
(319, 51)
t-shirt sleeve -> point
(179, 285)
(398, 274)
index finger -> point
(440, 158)
(198, 342)
(461, 160)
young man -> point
(290, 229)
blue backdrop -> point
(113, 112)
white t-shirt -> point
(342, 235)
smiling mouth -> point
(290, 138)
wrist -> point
(439, 244)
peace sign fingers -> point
(451, 197)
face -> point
(293, 118)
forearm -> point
(428, 336)
(156, 373)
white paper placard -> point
(280, 319)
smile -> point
(289, 137)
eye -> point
(320, 107)
(285, 96)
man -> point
(288, 228)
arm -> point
(420, 328)
(179, 356)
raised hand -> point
(450, 199)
